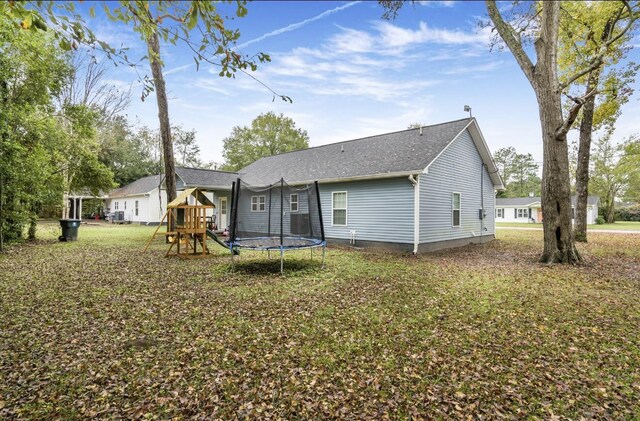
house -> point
(417, 190)
(529, 209)
(145, 200)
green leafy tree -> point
(604, 89)
(609, 174)
(519, 172)
(525, 176)
(81, 166)
(42, 148)
(198, 25)
(503, 158)
(188, 151)
(29, 71)
(125, 152)
(630, 165)
(269, 134)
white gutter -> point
(415, 180)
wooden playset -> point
(186, 218)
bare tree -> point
(87, 85)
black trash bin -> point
(69, 229)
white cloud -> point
(455, 54)
(474, 68)
(352, 41)
(210, 84)
(395, 36)
(178, 69)
(297, 25)
(372, 87)
(434, 3)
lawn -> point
(98, 329)
(620, 225)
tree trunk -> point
(1, 203)
(611, 205)
(32, 226)
(153, 44)
(559, 246)
(584, 156)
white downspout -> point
(416, 211)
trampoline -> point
(276, 217)
(272, 243)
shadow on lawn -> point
(271, 267)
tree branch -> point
(200, 55)
(596, 61)
(562, 131)
(512, 39)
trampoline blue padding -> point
(274, 243)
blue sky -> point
(351, 74)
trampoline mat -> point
(274, 242)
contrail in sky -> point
(297, 25)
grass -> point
(97, 329)
(619, 225)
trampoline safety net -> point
(278, 216)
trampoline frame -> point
(235, 194)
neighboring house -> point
(529, 209)
(145, 200)
(418, 190)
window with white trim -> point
(293, 202)
(455, 209)
(258, 203)
(115, 206)
(136, 208)
(522, 213)
(500, 213)
(339, 208)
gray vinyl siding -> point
(378, 210)
(458, 170)
(256, 224)
(489, 204)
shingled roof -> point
(387, 155)
(141, 186)
(192, 177)
(196, 177)
(392, 154)
(526, 201)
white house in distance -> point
(145, 200)
(529, 209)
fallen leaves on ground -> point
(97, 329)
